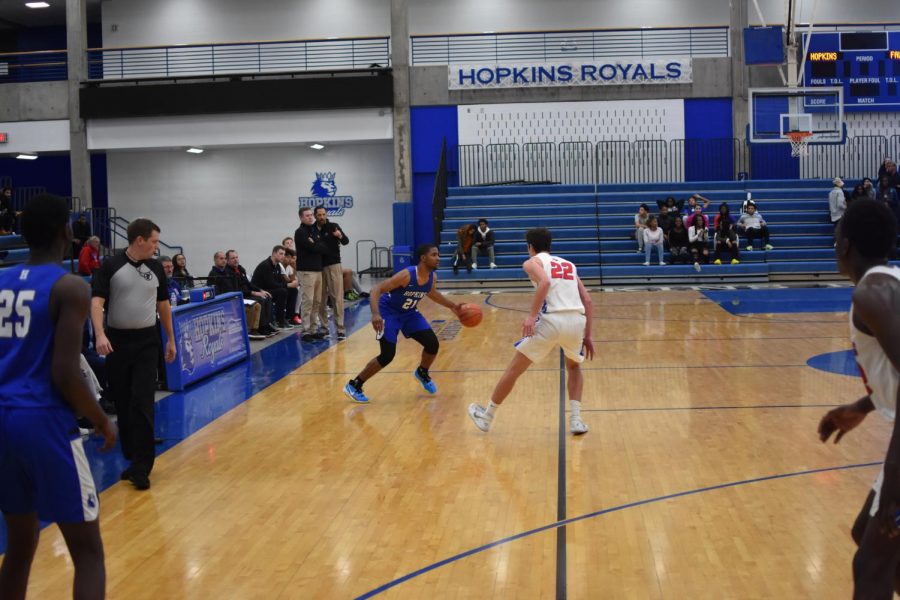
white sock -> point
(575, 407)
(491, 409)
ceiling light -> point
(37, 5)
(317, 146)
(195, 150)
(27, 157)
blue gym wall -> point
(429, 125)
(54, 173)
(708, 119)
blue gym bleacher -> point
(591, 227)
(14, 251)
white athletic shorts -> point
(563, 329)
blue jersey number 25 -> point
(10, 302)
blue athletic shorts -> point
(43, 467)
(408, 323)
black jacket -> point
(268, 276)
(333, 256)
(310, 248)
(486, 239)
(237, 281)
(221, 280)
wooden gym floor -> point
(701, 477)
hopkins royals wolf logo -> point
(323, 186)
(324, 193)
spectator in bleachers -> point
(484, 242)
(869, 188)
(172, 284)
(886, 193)
(351, 284)
(724, 214)
(698, 236)
(697, 214)
(726, 240)
(653, 238)
(837, 202)
(181, 274)
(688, 209)
(859, 193)
(889, 169)
(7, 213)
(679, 242)
(289, 267)
(665, 219)
(640, 224)
(268, 277)
(465, 239)
(89, 256)
(672, 205)
(237, 281)
(81, 231)
(753, 226)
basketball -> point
(470, 315)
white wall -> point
(246, 199)
(169, 22)
(269, 128)
(35, 136)
(571, 122)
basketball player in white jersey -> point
(866, 237)
(560, 316)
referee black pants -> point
(131, 369)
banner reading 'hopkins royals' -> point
(607, 71)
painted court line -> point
(391, 584)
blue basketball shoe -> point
(355, 394)
(425, 379)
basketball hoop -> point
(799, 142)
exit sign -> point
(4, 137)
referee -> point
(132, 287)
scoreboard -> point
(865, 63)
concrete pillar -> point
(739, 72)
(400, 66)
(76, 39)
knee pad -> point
(388, 350)
(428, 340)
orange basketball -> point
(470, 315)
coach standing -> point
(332, 272)
(132, 287)
(310, 250)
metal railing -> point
(30, 67)
(439, 196)
(662, 161)
(247, 57)
(569, 45)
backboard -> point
(777, 112)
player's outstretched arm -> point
(399, 279)
(441, 299)
(589, 320)
(69, 304)
(876, 304)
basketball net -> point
(799, 142)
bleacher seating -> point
(591, 227)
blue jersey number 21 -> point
(9, 302)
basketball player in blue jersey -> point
(44, 474)
(395, 309)
(865, 239)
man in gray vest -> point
(132, 287)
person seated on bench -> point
(753, 226)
